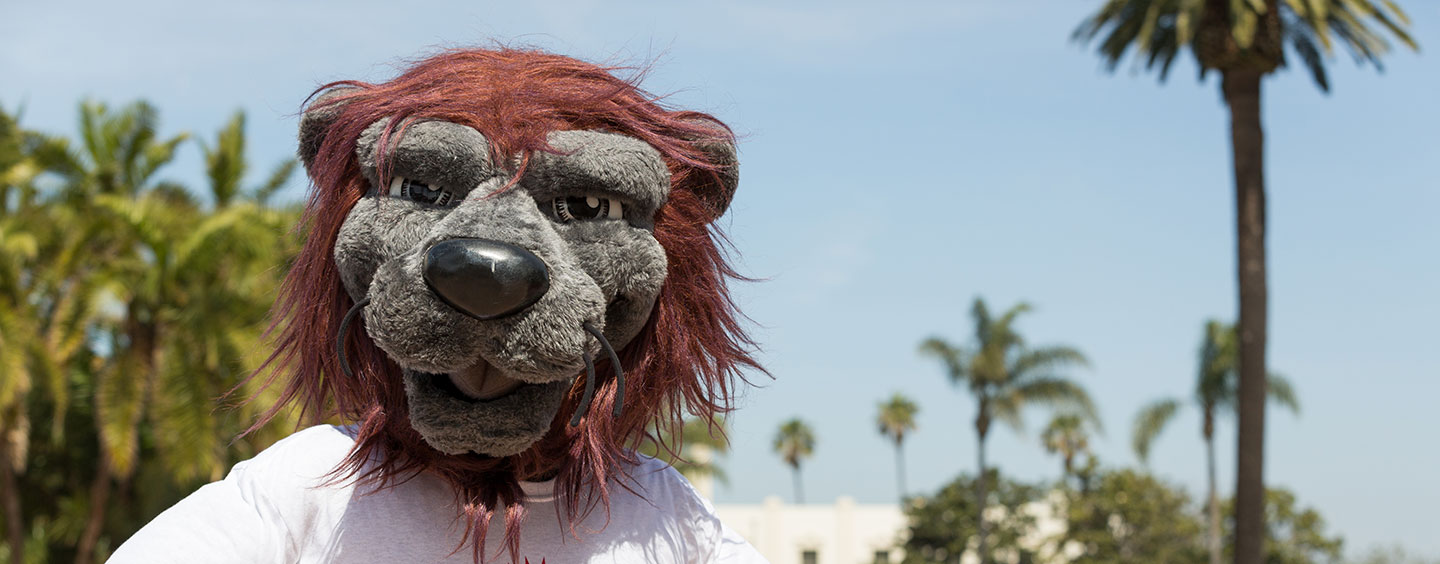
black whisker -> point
(589, 391)
(615, 362)
(340, 335)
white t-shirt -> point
(275, 508)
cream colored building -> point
(847, 532)
(843, 533)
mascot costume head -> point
(511, 272)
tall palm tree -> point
(1215, 394)
(897, 417)
(894, 419)
(1245, 40)
(1066, 435)
(1005, 375)
(794, 443)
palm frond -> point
(1046, 359)
(1008, 409)
(952, 356)
(1282, 393)
(1058, 393)
(1151, 420)
(277, 179)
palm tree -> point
(1215, 394)
(795, 442)
(1005, 375)
(226, 164)
(45, 305)
(1244, 41)
(191, 285)
(897, 417)
(1066, 435)
(116, 164)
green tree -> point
(130, 386)
(941, 530)
(1005, 375)
(1215, 394)
(794, 443)
(46, 306)
(1130, 516)
(1293, 534)
(1067, 436)
(1243, 41)
(896, 418)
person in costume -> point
(511, 278)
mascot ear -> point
(717, 188)
(317, 120)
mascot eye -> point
(582, 208)
(415, 190)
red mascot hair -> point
(687, 359)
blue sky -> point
(899, 161)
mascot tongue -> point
(482, 382)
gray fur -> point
(316, 122)
(590, 161)
(717, 195)
(451, 425)
(448, 155)
(604, 272)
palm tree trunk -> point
(799, 493)
(900, 469)
(10, 497)
(1242, 94)
(99, 498)
(1214, 498)
(982, 426)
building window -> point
(882, 557)
(809, 557)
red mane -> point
(688, 357)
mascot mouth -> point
(482, 410)
(481, 382)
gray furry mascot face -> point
(482, 290)
(521, 236)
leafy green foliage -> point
(943, 526)
(1130, 516)
(1293, 534)
(127, 309)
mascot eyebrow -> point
(486, 233)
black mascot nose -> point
(485, 279)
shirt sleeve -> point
(263, 511)
(732, 549)
(223, 522)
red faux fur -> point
(688, 357)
